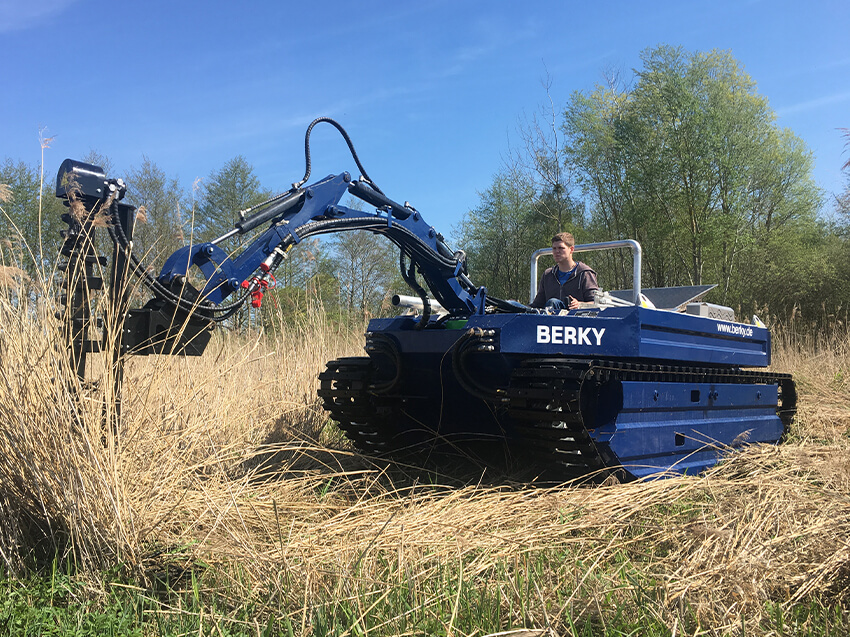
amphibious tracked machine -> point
(617, 386)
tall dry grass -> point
(225, 460)
(820, 362)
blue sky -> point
(430, 91)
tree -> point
(594, 126)
(365, 266)
(98, 159)
(542, 163)
(160, 227)
(225, 193)
(690, 162)
(528, 201)
(303, 284)
(30, 222)
(502, 232)
(842, 203)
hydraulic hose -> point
(474, 340)
(309, 162)
(409, 277)
(383, 344)
(215, 313)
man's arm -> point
(588, 285)
(539, 298)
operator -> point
(569, 283)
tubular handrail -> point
(587, 247)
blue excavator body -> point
(633, 390)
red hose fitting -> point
(257, 287)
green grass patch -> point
(508, 595)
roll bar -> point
(587, 247)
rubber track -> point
(548, 399)
(362, 416)
(545, 416)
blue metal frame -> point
(632, 333)
(225, 274)
(648, 426)
(686, 427)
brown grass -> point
(224, 459)
(12, 277)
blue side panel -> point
(616, 336)
(675, 336)
(685, 427)
(632, 333)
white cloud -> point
(16, 15)
(809, 105)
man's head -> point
(564, 237)
(563, 244)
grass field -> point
(227, 504)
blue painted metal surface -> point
(320, 202)
(686, 427)
(622, 332)
(649, 426)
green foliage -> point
(365, 266)
(690, 163)
(500, 235)
(29, 220)
(57, 604)
(162, 225)
(527, 203)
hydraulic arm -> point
(314, 210)
(204, 283)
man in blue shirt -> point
(569, 283)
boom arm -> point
(314, 210)
(179, 316)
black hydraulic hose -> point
(219, 313)
(383, 344)
(410, 278)
(473, 340)
(309, 161)
(417, 248)
(411, 244)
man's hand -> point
(573, 304)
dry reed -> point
(222, 460)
